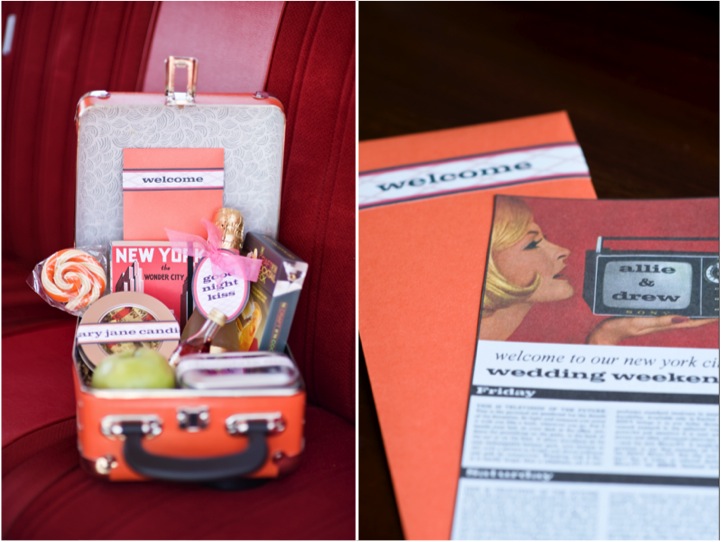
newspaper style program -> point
(593, 409)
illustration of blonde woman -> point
(526, 268)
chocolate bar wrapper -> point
(265, 322)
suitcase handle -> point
(191, 65)
(195, 469)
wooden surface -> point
(640, 82)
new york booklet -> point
(592, 411)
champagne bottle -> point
(230, 223)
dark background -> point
(640, 82)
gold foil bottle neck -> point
(231, 224)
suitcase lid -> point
(249, 127)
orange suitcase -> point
(189, 435)
(194, 435)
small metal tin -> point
(237, 370)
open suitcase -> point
(183, 434)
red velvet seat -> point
(60, 51)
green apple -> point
(137, 369)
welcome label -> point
(482, 171)
(173, 180)
(170, 188)
(216, 289)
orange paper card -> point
(170, 188)
(426, 204)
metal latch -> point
(193, 419)
(238, 424)
(112, 426)
(180, 98)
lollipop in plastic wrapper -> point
(71, 279)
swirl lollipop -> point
(73, 277)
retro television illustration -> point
(651, 282)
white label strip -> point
(172, 179)
(471, 173)
(127, 332)
(519, 366)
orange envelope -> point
(170, 188)
(426, 203)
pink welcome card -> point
(170, 188)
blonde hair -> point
(511, 221)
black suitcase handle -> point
(209, 469)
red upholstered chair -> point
(60, 51)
